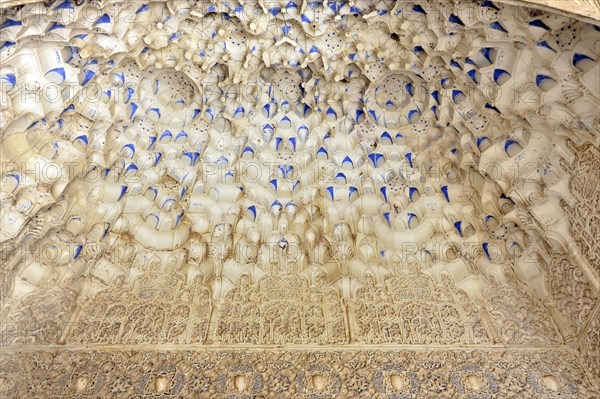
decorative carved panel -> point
(574, 296)
(519, 316)
(40, 319)
(584, 216)
(589, 350)
(279, 374)
(281, 310)
(156, 309)
(410, 309)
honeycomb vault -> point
(280, 199)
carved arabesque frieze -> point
(154, 303)
(519, 316)
(157, 308)
(409, 308)
(584, 216)
(281, 310)
(279, 374)
(588, 348)
(571, 291)
(40, 318)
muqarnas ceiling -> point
(282, 173)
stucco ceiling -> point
(410, 181)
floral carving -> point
(440, 373)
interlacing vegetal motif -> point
(573, 295)
(518, 315)
(584, 216)
(159, 309)
(409, 308)
(588, 348)
(281, 310)
(41, 319)
(294, 374)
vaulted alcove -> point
(273, 199)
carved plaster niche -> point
(282, 174)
